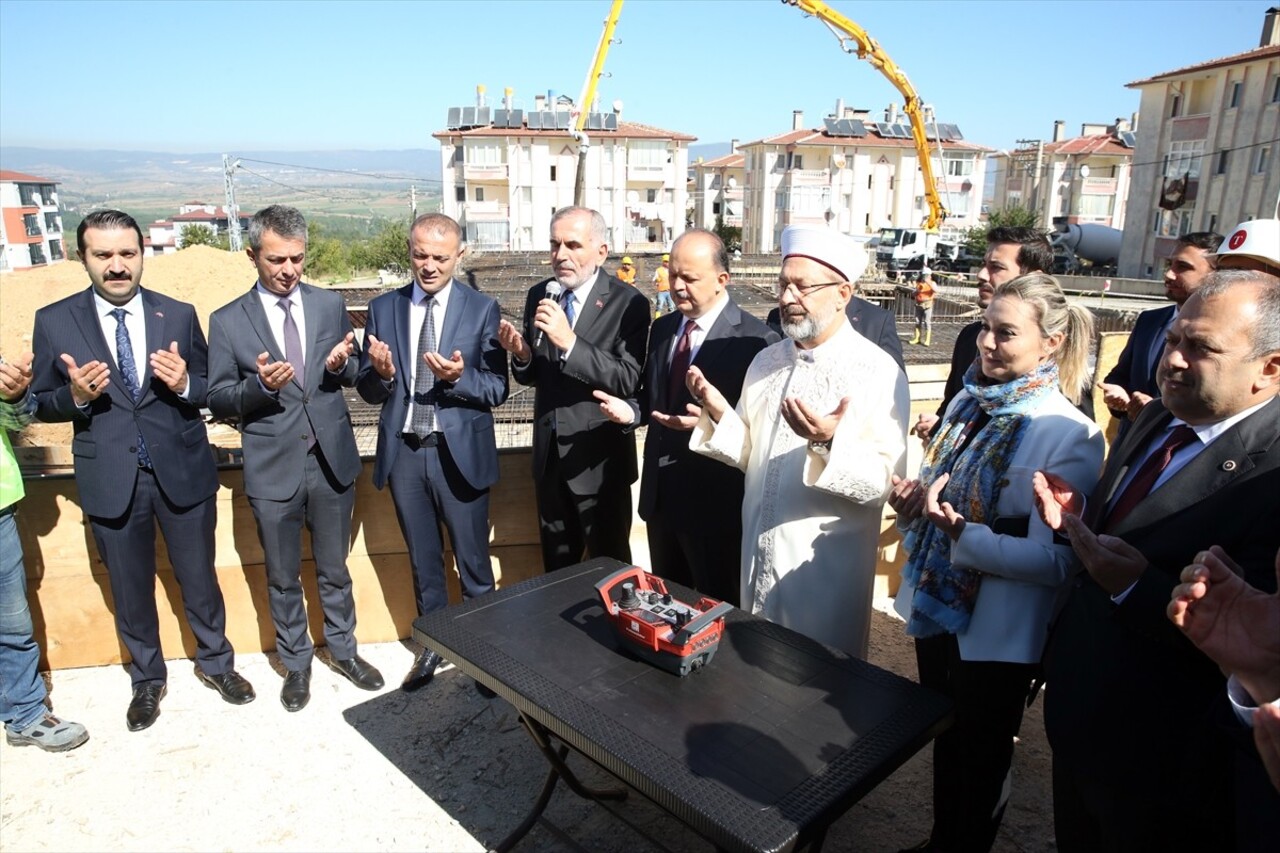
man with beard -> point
(126, 366)
(584, 331)
(816, 484)
(1131, 384)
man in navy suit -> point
(1199, 467)
(279, 357)
(691, 504)
(433, 361)
(126, 367)
(1131, 384)
(584, 331)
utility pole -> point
(233, 212)
(413, 202)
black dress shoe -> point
(359, 672)
(296, 692)
(145, 706)
(230, 684)
(484, 691)
(422, 671)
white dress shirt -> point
(417, 310)
(275, 315)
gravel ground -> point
(442, 769)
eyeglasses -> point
(802, 290)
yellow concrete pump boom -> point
(871, 51)
(588, 95)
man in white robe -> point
(819, 428)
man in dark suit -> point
(1131, 384)
(692, 504)
(1200, 467)
(126, 367)
(279, 357)
(870, 320)
(584, 331)
(1011, 252)
(432, 360)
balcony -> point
(1098, 186)
(484, 210)
(646, 173)
(1188, 128)
(807, 178)
(484, 171)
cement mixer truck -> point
(1084, 248)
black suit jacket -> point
(870, 320)
(1109, 665)
(612, 328)
(1133, 372)
(689, 490)
(464, 409)
(106, 435)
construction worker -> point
(627, 271)
(662, 277)
(925, 292)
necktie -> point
(129, 370)
(293, 343)
(680, 359)
(569, 311)
(424, 411)
(1140, 486)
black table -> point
(761, 750)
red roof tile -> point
(805, 136)
(23, 178)
(729, 161)
(1100, 143)
(1235, 59)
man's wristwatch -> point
(822, 448)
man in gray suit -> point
(279, 357)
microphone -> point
(553, 292)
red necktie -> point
(1140, 486)
(680, 360)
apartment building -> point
(1081, 179)
(1206, 157)
(717, 190)
(856, 175)
(30, 224)
(506, 170)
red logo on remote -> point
(1237, 239)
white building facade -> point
(1207, 152)
(30, 223)
(503, 183)
(1078, 180)
(855, 184)
(718, 190)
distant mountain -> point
(708, 151)
(98, 166)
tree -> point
(975, 239)
(389, 250)
(326, 256)
(198, 235)
(730, 235)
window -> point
(457, 156)
(32, 224)
(27, 195)
(553, 174)
(958, 204)
(1222, 163)
(606, 198)
(891, 177)
(460, 194)
(51, 223)
(1275, 90)
(479, 193)
(1183, 158)
(647, 152)
(1175, 106)
(1213, 222)
(485, 154)
(868, 182)
(1260, 164)
(487, 235)
(37, 254)
(606, 158)
(1095, 206)
(651, 195)
(1173, 223)
(1235, 95)
(715, 208)
(55, 250)
(809, 201)
(960, 168)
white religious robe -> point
(811, 525)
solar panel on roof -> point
(856, 127)
(831, 126)
(884, 129)
(611, 121)
(483, 116)
(562, 121)
(468, 117)
(953, 132)
(515, 118)
(534, 120)
(454, 119)
(501, 117)
(1128, 139)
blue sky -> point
(269, 75)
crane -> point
(845, 31)
(586, 97)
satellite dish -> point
(733, 182)
(617, 106)
(1084, 171)
(633, 197)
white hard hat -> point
(926, 272)
(1258, 239)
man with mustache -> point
(279, 357)
(584, 331)
(126, 366)
(819, 428)
(1200, 467)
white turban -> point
(838, 251)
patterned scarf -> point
(944, 596)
